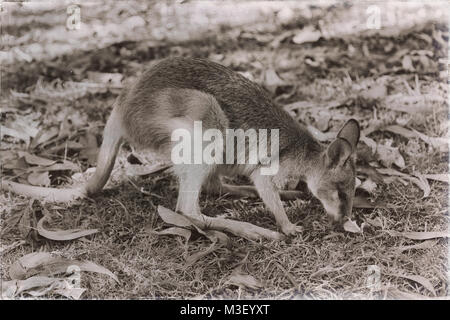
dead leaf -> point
(185, 233)
(218, 236)
(436, 142)
(361, 202)
(368, 185)
(307, 34)
(39, 179)
(407, 63)
(171, 217)
(65, 165)
(143, 170)
(114, 79)
(375, 222)
(443, 177)
(38, 286)
(6, 248)
(272, 81)
(245, 280)
(319, 135)
(323, 121)
(374, 93)
(46, 264)
(15, 133)
(389, 155)
(419, 235)
(419, 180)
(192, 259)
(43, 136)
(351, 226)
(423, 245)
(62, 235)
(400, 130)
(370, 143)
(419, 279)
(35, 160)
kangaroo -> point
(178, 92)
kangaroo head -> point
(333, 180)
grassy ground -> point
(318, 263)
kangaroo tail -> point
(112, 138)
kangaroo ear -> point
(350, 132)
(338, 152)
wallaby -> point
(177, 92)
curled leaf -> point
(46, 264)
(62, 235)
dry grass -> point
(317, 264)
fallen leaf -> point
(351, 226)
(407, 63)
(401, 295)
(375, 222)
(143, 170)
(419, 180)
(66, 165)
(35, 160)
(105, 78)
(361, 202)
(245, 280)
(419, 279)
(62, 235)
(323, 122)
(389, 155)
(368, 185)
(319, 135)
(46, 264)
(419, 235)
(272, 81)
(39, 179)
(192, 259)
(6, 248)
(437, 142)
(185, 233)
(374, 93)
(443, 177)
(218, 236)
(171, 217)
(15, 134)
(370, 143)
(38, 286)
(43, 136)
(307, 34)
(423, 245)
